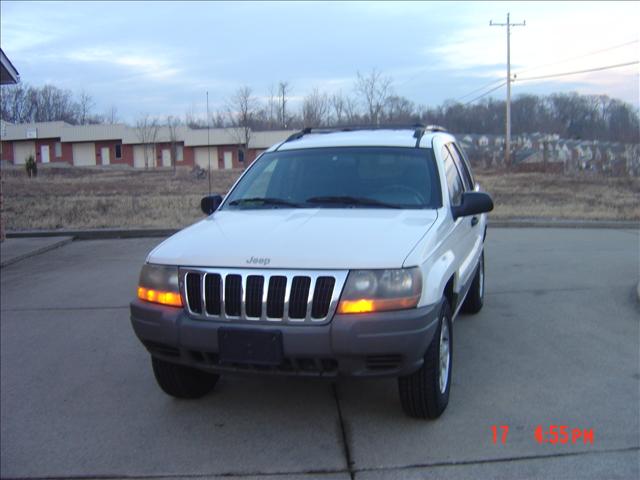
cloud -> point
(149, 66)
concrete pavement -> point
(556, 343)
(13, 250)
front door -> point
(44, 153)
(104, 154)
(166, 157)
(228, 160)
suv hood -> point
(298, 239)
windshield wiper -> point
(264, 201)
(346, 200)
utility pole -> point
(507, 147)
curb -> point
(107, 233)
(35, 252)
(552, 223)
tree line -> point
(23, 103)
(372, 100)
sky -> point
(160, 58)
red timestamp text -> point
(563, 434)
(553, 434)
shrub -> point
(31, 166)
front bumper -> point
(361, 345)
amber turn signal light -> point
(365, 305)
(171, 299)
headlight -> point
(380, 290)
(159, 284)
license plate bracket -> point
(254, 347)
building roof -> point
(266, 139)
(92, 133)
(128, 135)
(29, 131)
(211, 136)
(8, 73)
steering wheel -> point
(415, 194)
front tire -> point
(475, 298)
(182, 382)
(425, 393)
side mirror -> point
(473, 203)
(210, 204)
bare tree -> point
(351, 110)
(147, 133)
(191, 118)
(284, 89)
(173, 123)
(338, 106)
(315, 107)
(85, 105)
(51, 103)
(374, 90)
(218, 119)
(271, 110)
(242, 108)
(15, 103)
(111, 115)
(399, 110)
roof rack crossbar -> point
(418, 130)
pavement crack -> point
(48, 309)
(541, 291)
(517, 458)
(343, 430)
(183, 476)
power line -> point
(486, 93)
(595, 52)
(479, 89)
(597, 69)
(607, 49)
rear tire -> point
(425, 393)
(182, 382)
(475, 298)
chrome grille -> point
(297, 296)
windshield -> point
(371, 177)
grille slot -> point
(212, 293)
(194, 292)
(162, 349)
(322, 296)
(383, 362)
(275, 297)
(233, 295)
(299, 296)
(253, 302)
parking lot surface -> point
(557, 343)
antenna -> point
(208, 143)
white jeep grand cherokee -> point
(338, 252)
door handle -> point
(474, 221)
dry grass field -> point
(74, 198)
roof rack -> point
(418, 130)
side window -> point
(454, 182)
(462, 166)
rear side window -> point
(454, 182)
(462, 166)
